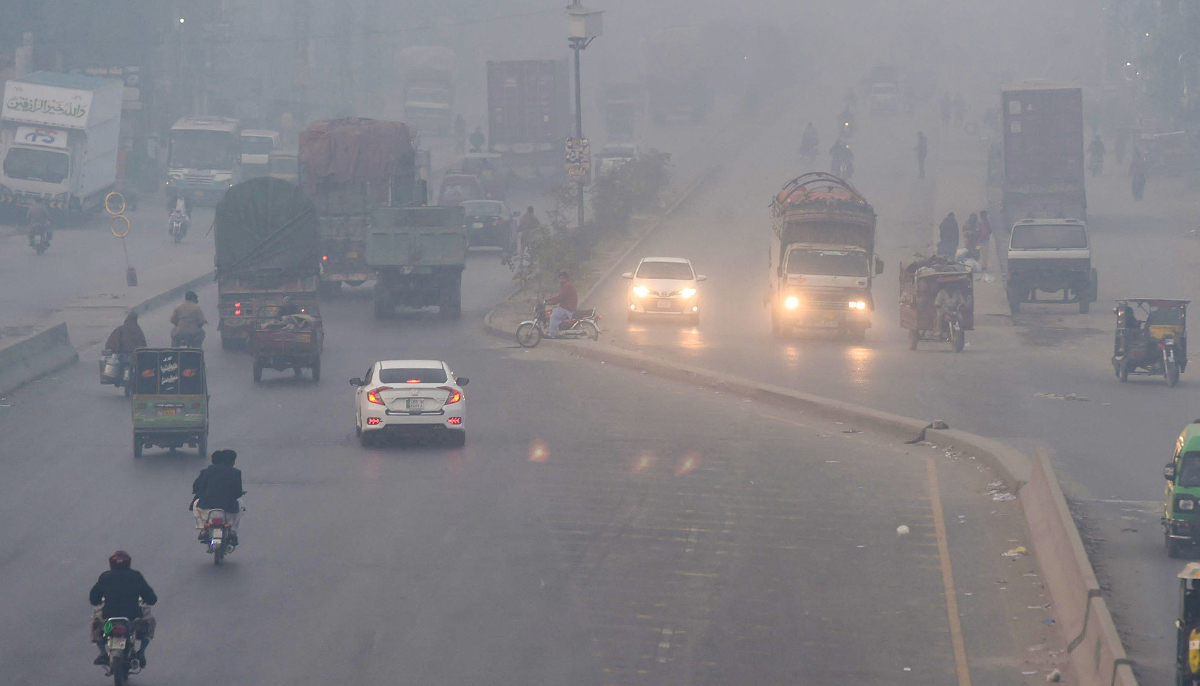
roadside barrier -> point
(30, 357)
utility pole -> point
(584, 26)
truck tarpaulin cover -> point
(266, 226)
(337, 151)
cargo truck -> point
(529, 116)
(59, 137)
(428, 88)
(418, 254)
(348, 167)
(267, 249)
(823, 259)
(1044, 204)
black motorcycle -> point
(122, 656)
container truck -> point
(823, 258)
(59, 136)
(267, 248)
(428, 88)
(204, 159)
(348, 167)
(529, 116)
(1044, 204)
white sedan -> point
(410, 396)
(664, 286)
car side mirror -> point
(1169, 472)
(701, 277)
(463, 381)
(627, 275)
(356, 381)
(878, 266)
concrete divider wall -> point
(30, 357)
(175, 293)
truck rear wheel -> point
(383, 309)
(1014, 300)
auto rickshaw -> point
(1187, 627)
(1154, 343)
(170, 399)
(1180, 504)
(919, 286)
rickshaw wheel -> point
(1123, 371)
(137, 446)
(914, 337)
(202, 445)
(960, 340)
(1173, 548)
(1172, 373)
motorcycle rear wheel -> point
(1172, 373)
(590, 330)
(528, 335)
(959, 340)
(219, 553)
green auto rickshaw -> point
(170, 399)
(1183, 492)
(1187, 628)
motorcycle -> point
(116, 371)
(187, 340)
(122, 655)
(584, 324)
(952, 330)
(216, 535)
(1096, 165)
(39, 239)
(178, 228)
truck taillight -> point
(324, 258)
(237, 309)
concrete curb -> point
(173, 294)
(34, 356)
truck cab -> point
(1050, 255)
(826, 286)
(204, 159)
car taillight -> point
(373, 421)
(454, 420)
(373, 395)
(455, 396)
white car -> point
(410, 396)
(664, 286)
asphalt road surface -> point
(1109, 450)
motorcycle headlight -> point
(641, 291)
(687, 292)
(791, 302)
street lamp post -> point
(584, 24)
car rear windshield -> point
(665, 270)
(1049, 237)
(412, 375)
(485, 208)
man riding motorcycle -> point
(188, 320)
(125, 339)
(38, 219)
(950, 300)
(183, 213)
(219, 487)
(567, 301)
(120, 592)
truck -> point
(883, 90)
(348, 167)
(1043, 200)
(204, 159)
(418, 254)
(823, 258)
(267, 248)
(59, 136)
(428, 88)
(529, 116)
(678, 79)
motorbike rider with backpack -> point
(38, 219)
(188, 320)
(120, 592)
(219, 487)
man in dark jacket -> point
(121, 591)
(948, 236)
(219, 486)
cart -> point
(919, 286)
(293, 341)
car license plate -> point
(416, 405)
(351, 255)
(168, 412)
(115, 643)
(664, 304)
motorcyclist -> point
(1096, 151)
(809, 141)
(188, 320)
(183, 212)
(566, 301)
(477, 140)
(38, 218)
(949, 300)
(1137, 170)
(125, 339)
(846, 121)
(838, 154)
(120, 592)
(219, 486)
(851, 99)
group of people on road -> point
(1138, 162)
(975, 232)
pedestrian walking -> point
(985, 238)
(948, 236)
(970, 234)
(922, 148)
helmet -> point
(119, 560)
(191, 295)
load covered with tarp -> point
(822, 208)
(368, 155)
(263, 227)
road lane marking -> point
(939, 527)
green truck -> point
(418, 254)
